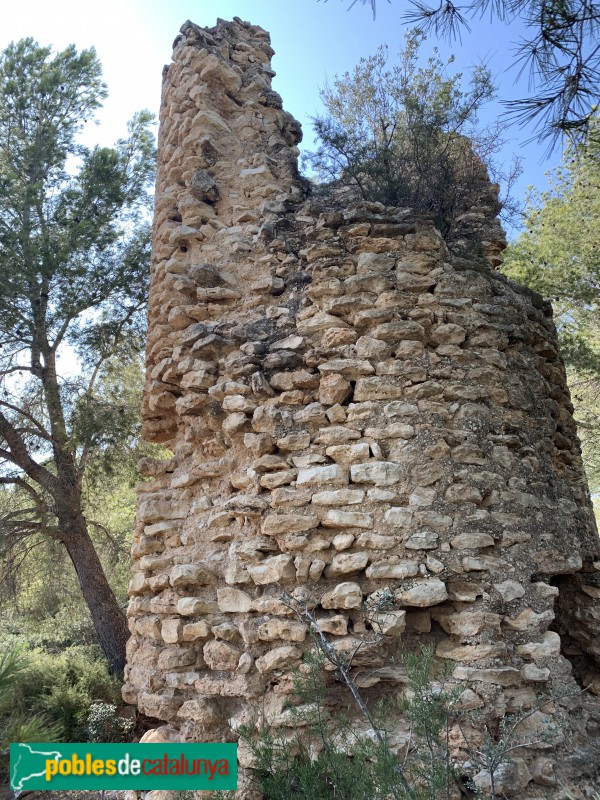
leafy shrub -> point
(16, 724)
(103, 724)
(62, 687)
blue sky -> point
(313, 41)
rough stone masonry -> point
(351, 408)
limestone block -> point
(220, 655)
(382, 570)
(533, 674)
(368, 347)
(172, 630)
(471, 541)
(510, 778)
(233, 601)
(346, 563)
(318, 323)
(482, 563)
(189, 606)
(351, 368)
(424, 540)
(380, 473)
(191, 575)
(175, 657)
(399, 516)
(469, 700)
(392, 622)
(282, 629)
(193, 631)
(464, 624)
(549, 647)
(338, 497)
(273, 570)
(334, 389)
(374, 541)
(266, 419)
(156, 510)
(336, 434)
(294, 441)
(161, 706)
(509, 590)
(333, 474)
(149, 626)
(276, 524)
(200, 710)
(344, 595)
(500, 676)
(377, 389)
(426, 474)
(375, 262)
(448, 334)
(279, 658)
(336, 625)
(467, 652)
(542, 770)
(423, 593)
(349, 453)
(347, 519)
(276, 479)
(463, 493)
(528, 619)
(398, 331)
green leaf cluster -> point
(558, 255)
(406, 134)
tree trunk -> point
(109, 620)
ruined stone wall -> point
(351, 408)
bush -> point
(103, 724)
(16, 724)
(407, 135)
(62, 687)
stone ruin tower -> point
(350, 408)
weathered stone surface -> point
(221, 655)
(233, 600)
(397, 571)
(177, 657)
(191, 575)
(379, 473)
(332, 475)
(346, 563)
(275, 524)
(279, 658)
(282, 629)
(510, 590)
(338, 497)
(472, 541)
(272, 570)
(357, 410)
(510, 778)
(547, 648)
(423, 593)
(344, 595)
(347, 519)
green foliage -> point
(62, 688)
(328, 756)
(16, 723)
(103, 724)
(74, 254)
(397, 133)
(558, 49)
(428, 706)
(557, 255)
